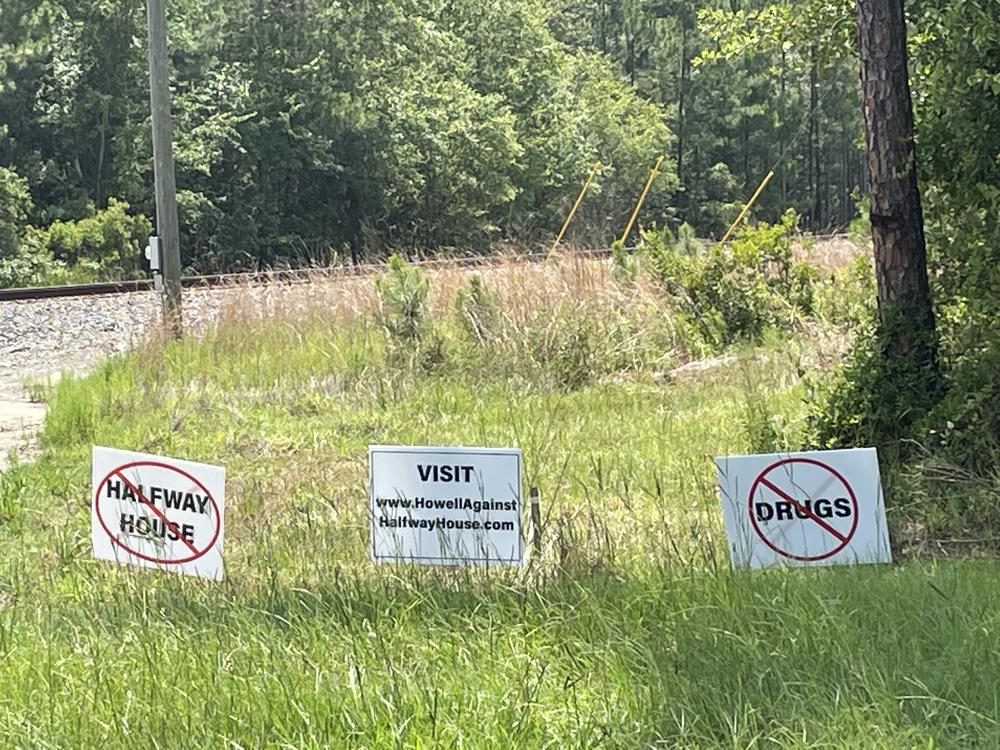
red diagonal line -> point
(172, 525)
(803, 509)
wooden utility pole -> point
(897, 223)
(163, 166)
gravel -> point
(41, 339)
(44, 337)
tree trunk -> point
(810, 163)
(897, 224)
(783, 114)
(681, 86)
(814, 144)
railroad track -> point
(272, 277)
(289, 276)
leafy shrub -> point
(402, 295)
(415, 343)
(964, 426)
(23, 262)
(31, 265)
(687, 241)
(107, 245)
(872, 399)
(847, 297)
(735, 293)
(624, 266)
(564, 343)
(478, 310)
(15, 204)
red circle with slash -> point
(767, 479)
(195, 553)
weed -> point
(402, 295)
(624, 631)
(478, 310)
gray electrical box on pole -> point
(163, 167)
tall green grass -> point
(626, 630)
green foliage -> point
(783, 80)
(301, 130)
(478, 310)
(687, 240)
(736, 293)
(847, 296)
(860, 228)
(15, 205)
(31, 265)
(624, 264)
(402, 296)
(872, 400)
(951, 429)
(567, 346)
(23, 262)
(106, 245)
(964, 426)
(326, 125)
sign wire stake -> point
(536, 521)
(576, 205)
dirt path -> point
(19, 421)
(40, 340)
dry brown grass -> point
(566, 278)
(521, 286)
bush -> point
(402, 312)
(402, 298)
(478, 310)
(31, 265)
(107, 245)
(22, 261)
(736, 293)
(687, 241)
(847, 297)
(15, 204)
(964, 427)
(624, 265)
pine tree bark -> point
(814, 144)
(685, 67)
(897, 224)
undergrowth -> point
(624, 630)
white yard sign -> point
(445, 506)
(817, 508)
(158, 512)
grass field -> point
(626, 630)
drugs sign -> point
(819, 508)
(445, 506)
(158, 512)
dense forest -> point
(318, 130)
(308, 129)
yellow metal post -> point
(572, 213)
(642, 199)
(746, 208)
